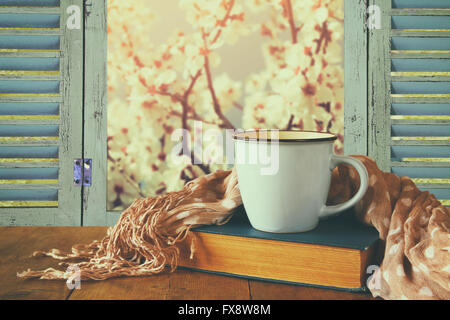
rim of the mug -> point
(241, 135)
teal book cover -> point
(343, 230)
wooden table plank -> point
(16, 246)
(137, 288)
(260, 290)
(187, 284)
(18, 243)
(180, 285)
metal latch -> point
(82, 170)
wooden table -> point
(18, 243)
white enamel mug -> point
(284, 178)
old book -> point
(334, 255)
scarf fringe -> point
(144, 239)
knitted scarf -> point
(413, 225)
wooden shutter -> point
(41, 68)
(409, 92)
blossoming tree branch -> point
(155, 89)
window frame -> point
(95, 99)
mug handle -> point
(335, 160)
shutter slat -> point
(438, 174)
(30, 97)
(27, 20)
(31, 10)
(29, 163)
(440, 109)
(418, 65)
(412, 162)
(29, 184)
(29, 178)
(419, 142)
(420, 98)
(420, 76)
(435, 33)
(30, 42)
(29, 139)
(429, 23)
(29, 173)
(29, 195)
(420, 88)
(28, 134)
(417, 43)
(431, 132)
(49, 64)
(421, 54)
(28, 86)
(28, 31)
(29, 75)
(31, 3)
(420, 4)
(11, 152)
(420, 119)
(28, 204)
(29, 119)
(29, 143)
(34, 53)
(420, 12)
(31, 131)
(422, 185)
(440, 193)
(419, 151)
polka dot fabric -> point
(414, 231)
